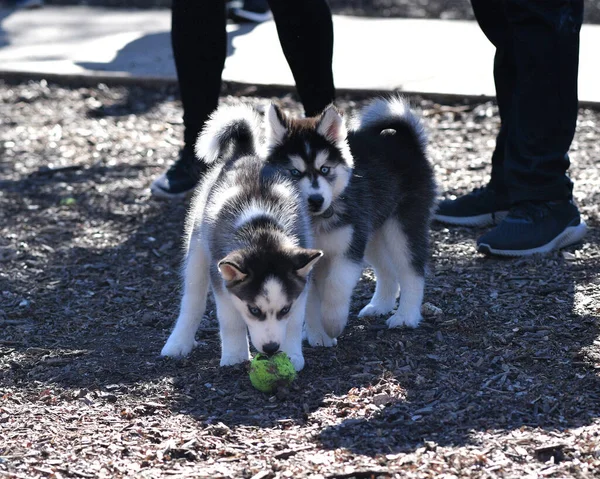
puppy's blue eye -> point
(295, 173)
(285, 310)
(325, 170)
(254, 311)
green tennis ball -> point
(267, 374)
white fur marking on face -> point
(321, 159)
(272, 299)
(271, 329)
(298, 163)
(324, 189)
(342, 179)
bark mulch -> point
(501, 380)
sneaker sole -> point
(251, 16)
(165, 195)
(571, 235)
(479, 220)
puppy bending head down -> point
(248, 235)
(371, 192)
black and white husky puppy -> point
(371, 192)
(248, 234)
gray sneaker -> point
(534, 227)
(481, 207)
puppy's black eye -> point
(284, 311)
(296, 173)
(325, 170)
(254, 311)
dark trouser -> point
(199, 39)
(535, 72)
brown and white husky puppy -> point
(371, 193)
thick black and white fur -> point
(248, 234)
(371, 192)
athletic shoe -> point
(181, 178)
(481, 207)
(534, 227)
(256, 11)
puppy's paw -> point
(319, 339)
(297, 361)
(235, 358)
(376, 309)
(178, 347)
(398, 320)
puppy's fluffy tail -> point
(392, 113)
(230, 131)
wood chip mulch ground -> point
(501, 380)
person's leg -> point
(305, 30)
(489, 204)
(491, 17)
(544, 36)
(199, 41)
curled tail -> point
(392, 113)
(230, 131)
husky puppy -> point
(248, 235)
(371, 192)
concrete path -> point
(427, 56)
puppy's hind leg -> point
(410, 275)
(193, 303)
(386, 287)
(233, 332)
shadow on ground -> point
(134, 58)
(90, 289)
(519, 355)
(510, 350)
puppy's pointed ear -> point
(276, 126)
(232, 267)
(331, 125)
(305, 259)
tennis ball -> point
(269, 373)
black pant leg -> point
(544, 36)
(305, 30)
(491, 17)
(199, 40)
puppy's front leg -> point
(193, 303)
(232, 330)
(313, 322)
(336, 293)
(292, 345)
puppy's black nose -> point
(315, 202)
(270, 348)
